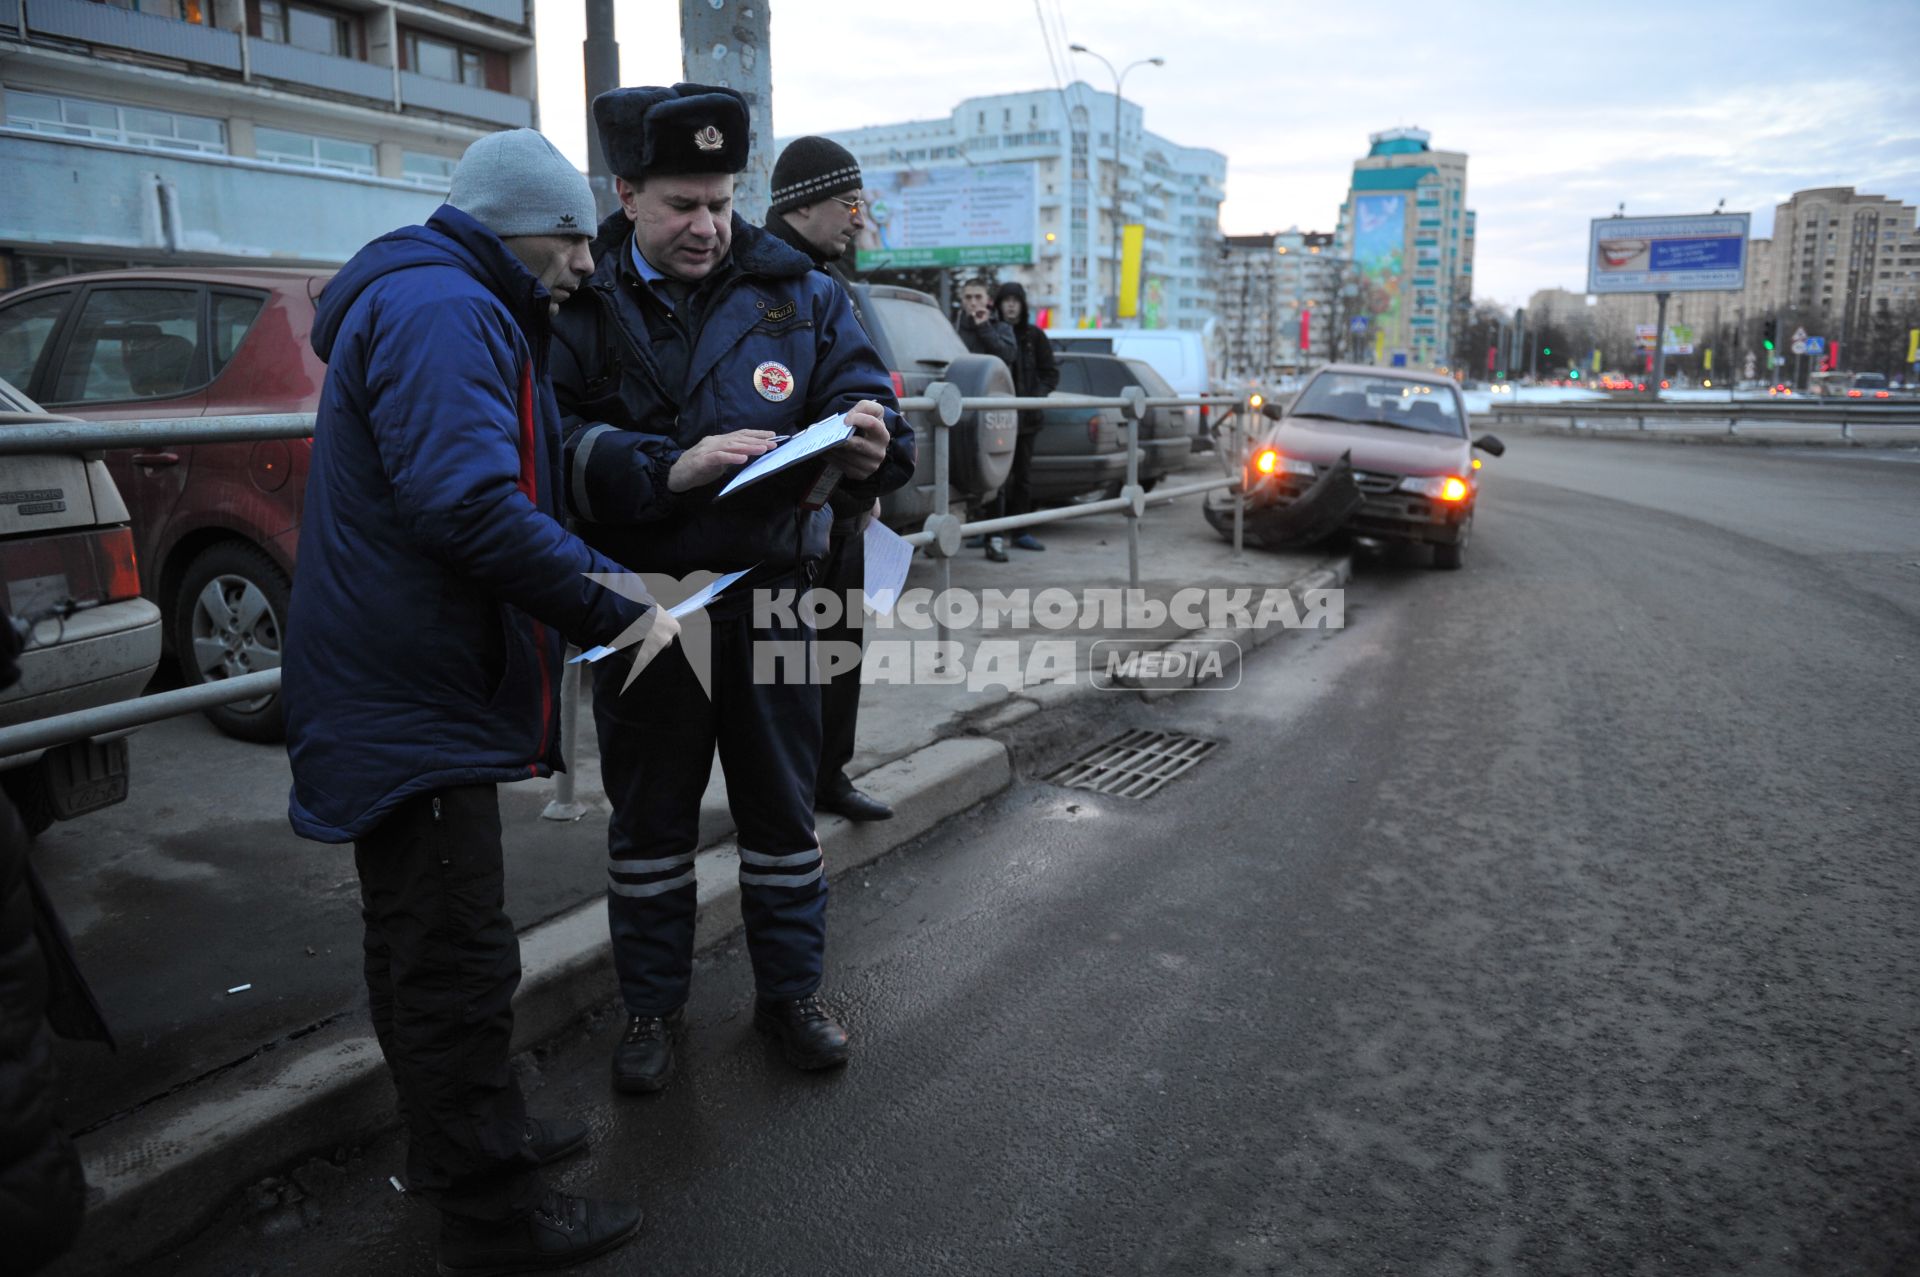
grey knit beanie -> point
(518, 183)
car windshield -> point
(1381, 401)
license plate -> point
(84, 776)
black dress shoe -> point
(552, 1140)
(643, 1059)
(854, 805)
(811, 1038)
(559, 1233)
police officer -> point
(816, 208)
(697, 338)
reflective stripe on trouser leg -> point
(769, 739)
(656, 754)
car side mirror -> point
(1272, 411)
(1490, 445)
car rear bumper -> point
(1071, 475)
(1164, 456)
(103, 655)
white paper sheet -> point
(811, 442)
(888, 556)
(692, 603)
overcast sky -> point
(1563, 110)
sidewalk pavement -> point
(226, 951)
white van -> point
(1179, 355)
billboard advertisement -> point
(1668, 254)
(1379, 252)
(961, 216)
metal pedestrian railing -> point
(940, 537)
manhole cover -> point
(1136, 764)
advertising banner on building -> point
(1379, 251)
(1668, 254)
(1133, 240)
(982, 215)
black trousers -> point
(1016, 494)
(844, 572)
(657, 742)
(442, 962)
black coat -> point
(42, 1194)
(994, 337)
(1036, 375)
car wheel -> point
(26, 788)
(230, 619)
(1453, 557)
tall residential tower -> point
(1409, 232)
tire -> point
(26, 787)
(1453, 557)
(248, 583)
(980, 446)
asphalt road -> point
(1557, 917)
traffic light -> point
(1769, 333)
(1546, 350)
(1576, 374)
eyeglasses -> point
(853, 206)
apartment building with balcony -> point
(263, 132)
(1067, 136)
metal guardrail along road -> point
(941, 536)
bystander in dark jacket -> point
(1035, 374)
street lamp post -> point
(1119, 82)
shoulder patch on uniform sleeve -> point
(779, 313)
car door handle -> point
(156, 458)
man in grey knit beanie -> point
(519, 186)
(438, 588)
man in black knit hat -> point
(817, 208)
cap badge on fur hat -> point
(709, 139)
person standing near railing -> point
(816, 208)
(1034, 376)
(436, 592)
(697, 341)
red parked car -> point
(215, 525)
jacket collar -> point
(756, 253)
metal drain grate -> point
(1136, 764)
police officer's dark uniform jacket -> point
(643, 371)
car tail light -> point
(85, 568)
(1093, 430)
(1881, 394)
(899, 385)
(1853, 394)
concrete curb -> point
(158, 1175)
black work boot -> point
(550, 1141)
(643, 1058)
(558, 1233)
(811, 1037)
